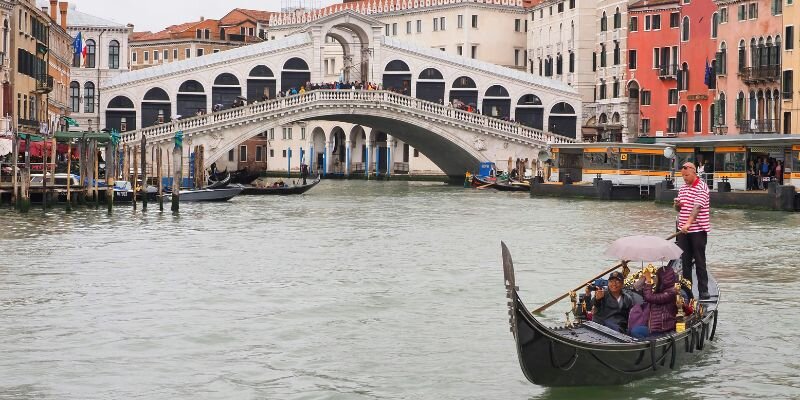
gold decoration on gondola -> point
(631, 279)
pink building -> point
(748, 66)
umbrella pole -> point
(563, 296)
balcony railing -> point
(668, 71)
(44, 84)
(759, 126)
(787, 95)
(764, 73)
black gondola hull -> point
(279, 191)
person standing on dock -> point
(692, 204)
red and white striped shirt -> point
(689, 196)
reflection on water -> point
(357, 290)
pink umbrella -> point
(643, 248)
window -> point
(475, 21)
(742, 60)
(146, 55)
(752, 11)
(435, 24)
(571, 4)
(602, 55)
(698, 119)
(644, 126)
(133, 58)
(174, 54)
(74, 97)
(516, 57)
(685, 29)
(231, 155)
(113, 55)
(91, 52)
(617, 19)
(561, 7)
(672, 96)
(722, 60)
(271, 133)
(777, 7)
(88, 97)
(645, 97)
(441, 23)
(517, 25)
(166, 55)
(155, 55)
(674, 20)
(259, 153)
(656, 22)
(461, 21)
(243, 153)
(603, 22)
(200, 52)
(742, 15)
(198, 34)
(634, 24)
(207, 33)
(723, 15)
(571, 61)
(408, 27)
(616, 53)
(241, 31)
(615, 88)
(250, 31)
(672, 125)
(302, 133)
(714, 25)
(460, 50)
(787, 84)
(602, 89)
(594, 61)
(188, 53)
(474, 52)
(419, 26)
(647, 22)
(559, 63)
(789, 37)
(631, 59)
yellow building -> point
(6, 11)
(30, 80)
(59, 59)
(790, 87)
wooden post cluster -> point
(143, 148)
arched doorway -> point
(191, 99)
(464, 89)
(497, 103)
(317, 150)
(225, 91)
(156, 107)
(430, 85)
(260, 84)
(530, 111)
(121, 114)
(295, 74)
(358, 145)
(563, 120)
(634, 120)
(338, 151)
(397, 77)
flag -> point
(84, 51)
(709, 76)
(77, 44)
(70, 122)
(179, 140)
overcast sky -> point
(155, 15)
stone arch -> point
(397, 77)
(317, 147)
(121, 114)
(295, 74)
(464, 89)
(361, 27)
(225, 91)
(497, 102)
(338, 143)
(430, 85)
(530, 111)
(191, 99)
(562, 120)
(156, 107)
(261, 84)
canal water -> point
(357, 290)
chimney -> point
(202, 19)
(63, 6)
(53, 10)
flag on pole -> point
(709, 75)
(77, 44)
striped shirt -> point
(689, 196)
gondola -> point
(280, 190)
(513, 186)
(244, 176)
(219, 181)
(206, 195)
(587, 353)
(481, 182)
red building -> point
(696, 77)
(653, 43)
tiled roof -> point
(166, 33)
(239, 15)
(259, 15)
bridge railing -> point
(339, 97)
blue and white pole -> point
(325, 161)
(366, 164)
(289, 165)
(311, 157)
(388, 161)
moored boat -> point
(587, 353)
(512, 186)
(280, 189)
(196, 195)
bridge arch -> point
(295, 74)
(121, 114)
(191, 99)
(317, 147)
(397, 77)
(430, 85)
(261, 84)
(156, 107)
(464, 89)
(530, 111)
(563, 120)
(497, 102)
(225, 90)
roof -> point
(167, 32)
(482, 65)
(177, 67)
(256, 15)
(76, 18)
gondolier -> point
(692, 204)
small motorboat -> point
(512, 186)
(586, 353)
(205, 194)
(281, 189)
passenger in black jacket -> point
(611, 307)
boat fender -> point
(714, 326)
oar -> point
(548, 305)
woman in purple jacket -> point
(661, 304)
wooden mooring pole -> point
(144, 172)
(96, 174)
(177, 160)
(135, 174)
(111, 164)
(26, 177)
(69, 176)
(159, 173)
(15, 170)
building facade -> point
(30, 79)
(59, 61)
(790, 87)
(561, 42)
(750, 42)
(699, 28)
(617, 118)
(6, 14)
(106, 57)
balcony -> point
(761, 74)
(668, 71)
(759, 126)
(44, 84)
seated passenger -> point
(662, 307)
(611, 309)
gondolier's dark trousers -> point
(693, 245)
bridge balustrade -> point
(343, 97)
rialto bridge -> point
(518, 113)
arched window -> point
(617, 19)
(683, 119)
(698, 119)
(685, 29)
(714, 25)
(776, 59)
(88, 97)
(721, 110)
(113, 55)
(75, 97)
(559, 63)
(603, 22)
(91, 52)
(722, 59)
(742, 57)
(740, 109)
